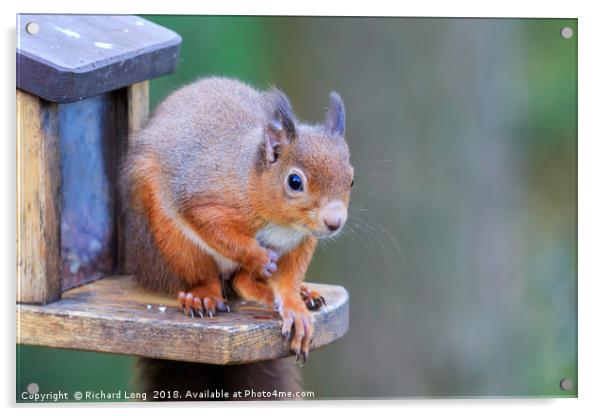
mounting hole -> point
(566, 32)
(32, 28)
(33, 388)
(566, 384)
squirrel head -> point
(304, 177)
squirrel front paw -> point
(271, 266)
(265, 262)
(298, 326)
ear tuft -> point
(280, 130)
(283, 112)
(335, 116)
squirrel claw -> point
(301, 357)
(269, 269)
(222, 306)
(304, 354)
(200, 306)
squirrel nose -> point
(333, 215)
(333, 224)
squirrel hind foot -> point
(312, 298)
(196, 304)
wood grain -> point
(132, 109)
(138, 106)
(112, 315)
(38, 200)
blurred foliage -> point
(70, 371)
(460, 252)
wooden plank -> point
(38, 200)
(112, 315)
(122, 137)
(138, 106)
(132, 112)
(73, 57)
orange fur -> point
(186, 260)
(251, 288)
(291, 271)
(287, 288)
(229, 231)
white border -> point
(590, 176)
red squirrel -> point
(224, 182)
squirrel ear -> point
(335, 116)
(280, 130)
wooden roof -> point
(72, 57)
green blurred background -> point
(460, 253)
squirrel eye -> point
(295, 182)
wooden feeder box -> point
(82, 89)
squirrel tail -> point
(164, 380)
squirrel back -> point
(207, 135)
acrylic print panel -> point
(459, 254)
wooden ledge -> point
(114, 315)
